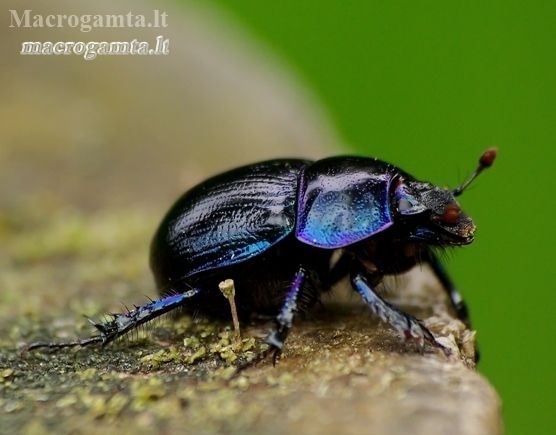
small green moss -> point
(223, 373)
(6, 374)
(144, 393)
(163, 356)
(248, 344)
(200, 353)
(87, 374)
(116, 404)
(282, 380)
(192, 342)
(66, 401)
(95, 404)
(13, 406)
(241, 383)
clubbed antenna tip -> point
(485, 161)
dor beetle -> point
(275, 228)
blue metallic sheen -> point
(226, 220)
(343, 200)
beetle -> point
(287, 230)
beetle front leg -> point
(284, 319)
(408, 325)
(454, 295)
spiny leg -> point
(408, 325)
(454, 295)
(122, 323)
(284, 319)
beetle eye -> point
(451, 214)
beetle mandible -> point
(273, 227)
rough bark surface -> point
(78, 205)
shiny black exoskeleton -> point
(287, 230)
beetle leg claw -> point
(275, 355)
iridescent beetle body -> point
(273, 228)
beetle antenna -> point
(486, 161)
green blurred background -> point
(429, 85)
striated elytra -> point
(287, 230)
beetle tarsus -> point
(53, 345)
(276, 342)
(274, 339)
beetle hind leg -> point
(121, 324)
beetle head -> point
(432, 213)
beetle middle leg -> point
(284, 319)
(408, 325)
(454, 295)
